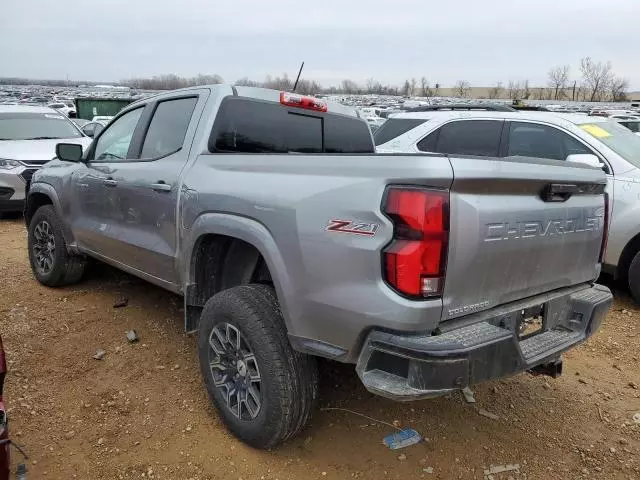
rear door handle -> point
(161, 187)
(110, 182)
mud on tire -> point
(51, 263)
(264, 390)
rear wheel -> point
(263, 389)
(51, 263)
(633, 279)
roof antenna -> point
(298, 77)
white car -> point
(104, 119)
(28, 138)
(91, 129)
(624, 116)
(68, 110)
(595, 141)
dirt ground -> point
(142, 411)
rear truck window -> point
(618, 138)
(246, 125)
(394, 127)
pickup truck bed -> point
(289, 238)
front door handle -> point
(161, 186)
(110, 182)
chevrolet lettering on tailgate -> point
(512, 231)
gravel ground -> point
(142, 412)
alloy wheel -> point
(235, 371)
(44, 247)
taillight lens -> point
(605, 233)
(415, 261)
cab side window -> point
(113, 144)
(168, 127)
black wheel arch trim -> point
(40, 188)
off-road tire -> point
(67, 267)
(289, 379)
(633, 278)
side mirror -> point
(69, 152)
(98, 128)
(89, 130)
(586, 159)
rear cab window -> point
(247, 125)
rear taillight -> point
(301, 101)
(605, 233)
(415, 260)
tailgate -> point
(510, 238)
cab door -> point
(95, 203)
(148, 186)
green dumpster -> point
(88, 108)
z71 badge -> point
(357, 228)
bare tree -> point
(526, 93)
(596, 78)
(246, 82)
(406, 88)
(558, 78)
(514, 90)
(349, 86)
(619, 87)
(462, 89)
(496, 91)
(538, 94)
(413, 86)
(171, 81)
(426, 89)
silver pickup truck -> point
(290, 239)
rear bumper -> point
(480, 347)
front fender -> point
(252, 232)
(50, 192)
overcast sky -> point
(479, 41)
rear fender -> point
(250, 231)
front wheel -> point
(51, 263)
(263, 389)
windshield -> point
(618, 138)
(35, 126)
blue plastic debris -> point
(401, 439)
